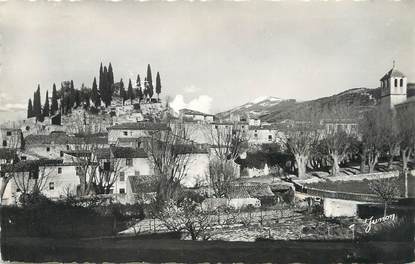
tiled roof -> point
(56, 138)
(7, 153)
(191, 149)
(103, 153)
(128, 140)
(140, 126)
(28, 165)
(193, 112)
(63, 139)
(392, 73)
(78, 153)
(126, 152)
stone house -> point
(192, 115)
(265, 134)
(11, 138)
(134, 130)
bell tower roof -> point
(392, 73)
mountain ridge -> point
(356, 100)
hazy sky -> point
(211, 55)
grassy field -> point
(351, 186)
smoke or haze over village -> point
(212, 56)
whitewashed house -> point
(130, 162)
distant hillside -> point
(259, 107)
(355, 100)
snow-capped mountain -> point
(273, 109)
(257, 107)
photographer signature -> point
(370, 221)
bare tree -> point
(87, 143)
(14, 143)
(221, 175)
(372, 137)
(187, 216)
(227, 143)
(391, 137)
(338, 145)
(406, 130)
(387, 189)
(168, 152)
(35, 180)
(106, 172)
(300, 142)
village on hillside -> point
(120, 152)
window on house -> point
(8, 161)
(122, 176)
(125, 133)
(8, 133)
(67, 147)
(269, 137)
(78, 171)
(129, 162)
(61, 153)
(256, 135)
(107, 166)
(59, 170)
(23, 157)
(47, 149)
(4, 143)
(51, 185)
(122, 190)
(216, 127)
(401, 82)
(396, 82)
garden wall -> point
(342, 195)
(355, 177)
(339, 208)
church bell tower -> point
(393, 88)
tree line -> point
(102, 93)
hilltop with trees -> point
(102, 94)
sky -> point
(211, 55)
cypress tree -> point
(138, 82)
(149, 81)
(95, 95)
(46, 111)
(37, 107)
(130, 91)
(46, 105)
(123, 94)
(145, 88)
(101, 77)
(54, 105)
(77, 98)
(30, 109)
(105, 90)
(110, 75)
(158, 86)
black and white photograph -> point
(207, 131)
